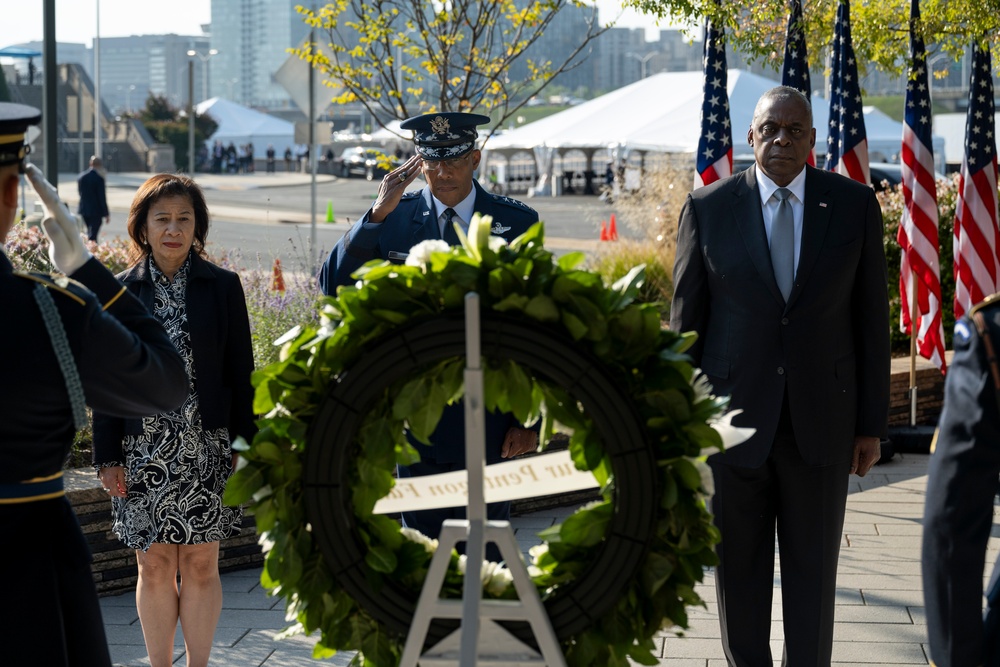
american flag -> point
(795, 70)
(918, 227)
(847, 143)
(976, 237)
(715, 146)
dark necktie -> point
(783, 243)
(449, 234)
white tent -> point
(241, 125)
(952, 127)
(662, 113)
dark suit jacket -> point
(962, 485)
(829, 345)
(93, 196)
(413, 221)
(223, 355)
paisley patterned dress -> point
(176, 471)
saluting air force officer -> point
(962, 486)
(68, 343)
(446, 156)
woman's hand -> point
(113, 480)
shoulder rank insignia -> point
(501, 199)
(56, 282)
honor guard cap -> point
(14, 122)
(446, 135)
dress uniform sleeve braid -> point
(60, 345)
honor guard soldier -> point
(962, 486)
(447, 157)
(71, 339)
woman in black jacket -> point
(167, 473)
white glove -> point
(66, 249)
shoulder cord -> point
(60, 345)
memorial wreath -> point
(558, 345)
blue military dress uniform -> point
(438, 137)
(415, 219)
(963, 482)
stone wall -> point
(930, 392)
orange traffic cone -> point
(278, 280)
(604, 230)
(612, 229)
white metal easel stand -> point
(479, 640)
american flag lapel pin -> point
(822, 204)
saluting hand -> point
(66, 249)
(392, 187)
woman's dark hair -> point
(154, 189)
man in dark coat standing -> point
(447, 156)
(781, 272)
(962, 486)
(93, 198)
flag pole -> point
(913, 351)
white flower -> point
(500, 581)
(731, 435)
(702, 387)
(707, 483)
(497, 243)
(418, 537)
(420, 254)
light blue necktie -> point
(449, 234)
(783, 243)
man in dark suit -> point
(961, 491)
(93, 198)
(781, 272)
(446, 156)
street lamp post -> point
(190, 111)
(643, 60)
(204, 69)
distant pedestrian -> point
(270, 158)
(93, 206)
(218, 156)
(288, 158)
(250, 165)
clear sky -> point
(76, 20)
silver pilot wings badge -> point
(498, 229)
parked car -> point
(360, 161)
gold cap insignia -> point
(440, 125)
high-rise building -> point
(134, 67)
(252, 38)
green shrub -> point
(652, 213)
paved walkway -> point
(880, 615)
